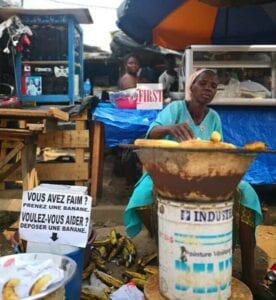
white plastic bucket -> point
(195, 249)
(73, 287)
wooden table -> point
(21, 143)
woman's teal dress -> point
(176, 113)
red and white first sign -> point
(149, 96)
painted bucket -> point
(195, 249)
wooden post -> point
(29, 174)
(97, 156)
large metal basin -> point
(195, 174)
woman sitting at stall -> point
(184, 120)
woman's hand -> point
(181, 132)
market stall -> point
(49, 68)
(22, 143)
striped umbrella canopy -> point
(225, 3)
(175, 24)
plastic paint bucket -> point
(195, 249)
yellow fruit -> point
(8, 291)
(40, 284)
(257, 146)
(215, 137)
(108, 279)
(155, 143)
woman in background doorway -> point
(130, 78)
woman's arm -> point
(170, 123)
(180, 132)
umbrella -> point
(225, 3)
(176, 24)
(121, 45)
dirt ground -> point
(108, 215)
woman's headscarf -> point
(192, 79)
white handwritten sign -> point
(149, 96)
(55, 217)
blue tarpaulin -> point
(123, 126)
(241, 125)
(246, 124)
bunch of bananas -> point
(120, 250)
(115, 247)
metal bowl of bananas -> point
(196, 170)
(30, 276)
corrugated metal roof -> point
(6, 3)
(82, 15)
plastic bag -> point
(128, 291)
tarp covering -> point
(246, 124)
(123, 126)
(241, 125)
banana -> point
(139, 282)
(151, 270)
(104, 242)
(108, 279)
(131, 247)
(88, 270)
(189, 144)
(127, 257)
(128, 252)
(40, 284)
(113, 237)
(258, 146)
(90, 294)
(131, 274)
(8, 291)
(146, 259)
(96, 257)
(155, 143)
(102, 250)
(116, 250)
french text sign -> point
(55, 217)
(149, 96)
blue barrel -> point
(73, 287)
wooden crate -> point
(74, 142)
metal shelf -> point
(191, 61)
(45, 62)
(232, 64)
(244, 101)
(48, 62)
